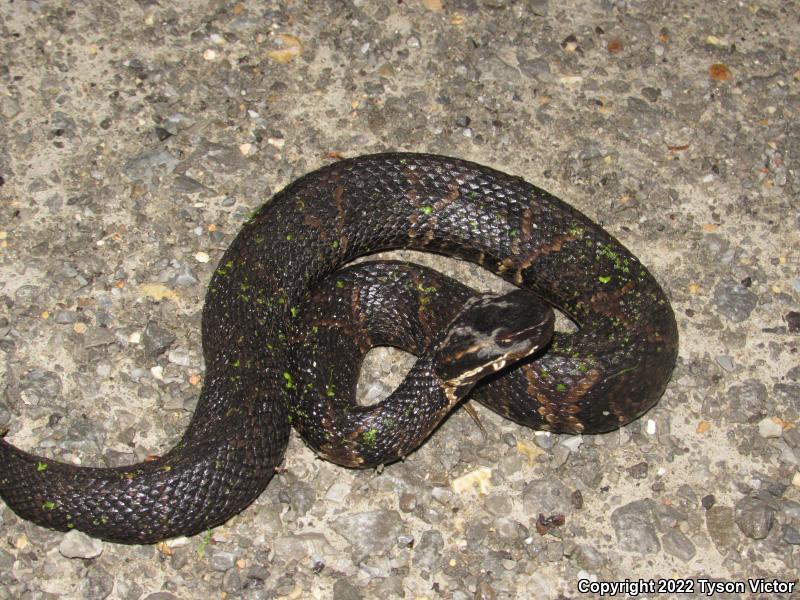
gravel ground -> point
(137, 137)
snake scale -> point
(263, 368)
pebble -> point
(232, 581)
(185, 276)
(156, 339)
(302, 496)
(221, 560)
(721, 527)
(143, 168)
(634, 527)
(479, 480)
(98, 584)
(745, 400)
(498, 504)
(548, 496)
(734, 301)
(65, 317)
(544, 439)
(587, 557)
(639, 470)
(534, 67)
(754, 517)
(790, 535)
(369, 533)
(675, 542)
(344, 590)
(769, 428)
(726, 362)
(338, 491)
(290, 547)
(427, 552)
(183, 184)
(180, 356)
(41, 388)
(76, 544)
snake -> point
(265, 373)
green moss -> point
(369, 436)
(225, 269)
(201, 549)
(576, 230)
(289, 380)
(41, 466)
(48, 505)
(426, 209)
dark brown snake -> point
(270, 306)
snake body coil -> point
(604, 375)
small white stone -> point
(245, 149)
(180, 357)
(79, 545)
(135, 338)
(769, 428)
(202, 257)
(157, 372)
(651, 427)
(796, 479)
(573, 442)
(210, 54)
(479, 480)
(338, 492)
(177, 542)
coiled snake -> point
(267, 365)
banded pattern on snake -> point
(605, 374)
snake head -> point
(491, 332)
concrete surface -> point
(136, 138)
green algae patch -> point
(289, 380)
(369, 437)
